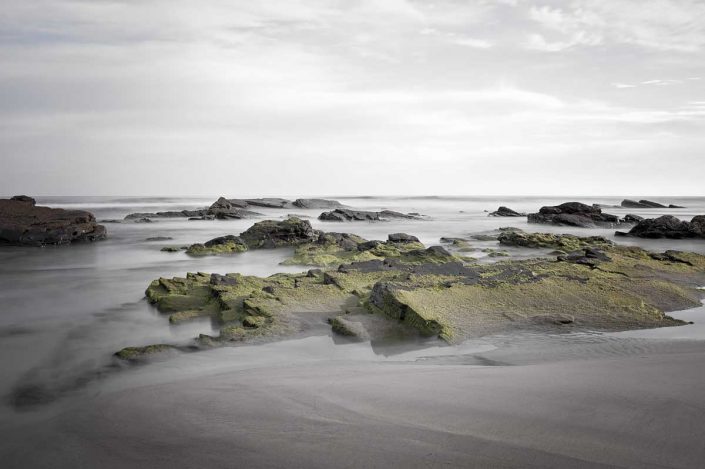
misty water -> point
(65, 310)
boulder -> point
(667, 226)
(631, 218)
(506, 212)
(573, 214)
(24, 223)
(271, 234)
(402, 238)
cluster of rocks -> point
(22, 222)
(342, 214)
(575, 214)
(225, 209)
(668, 226)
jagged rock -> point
(506, 212)
(668, 226)
(317, 203)
(24, 223)
(627, 203)
(574, 214)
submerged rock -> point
(22, 222)
(668, 226)
(574, 214)
(506, 212)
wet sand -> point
(642, 409)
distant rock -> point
(24, 223)
(574, 214)
(631, 218)
(343, 214)
(269, 203)
(317, 203)
(506, 212)
(675, 206)
(668, 226)
(159, 238)
(627, 203)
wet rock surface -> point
(22, 222)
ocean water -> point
(65, 310)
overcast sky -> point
(305, 97)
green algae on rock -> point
(564, 242)
(604, 288)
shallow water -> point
(65, 310)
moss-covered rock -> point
(141, 353)
(430, 290)
(564, 242)
(221, 245)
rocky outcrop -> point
(668, 226)
(574, 214)
(22, 222)
(606, 288)
(563, 242)
(342, 214)
(272, 234)
(506, 212)
(627, 203)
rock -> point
(269, 203)
(24, 198)
(317, 203)
(133, 354)
(221, 245)
(506, 212)
(564, 242)
(402, 238)
(144, 220)
(343, 214)
(627, 203)
(574, 214)
(675, 206)
(24, 223)
(631, 218)
(170, 249)
(345, 327)
(668, 226)
(271, 234)
(159, 238)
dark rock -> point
(668, 226)
(631, 218)
(506, 212)
(24, 198)
(402, 238)
(627, 203)
(271, 234)
(217, 279)
(223, 240)
(24, 223)
(144, 220)
(573, 214)
(343, 214)
(269, 203)
(170, 249)
(314, 272)
(317, 203)
(675, 206)
(367, 245)
(159, 238)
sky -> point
(357, 97)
